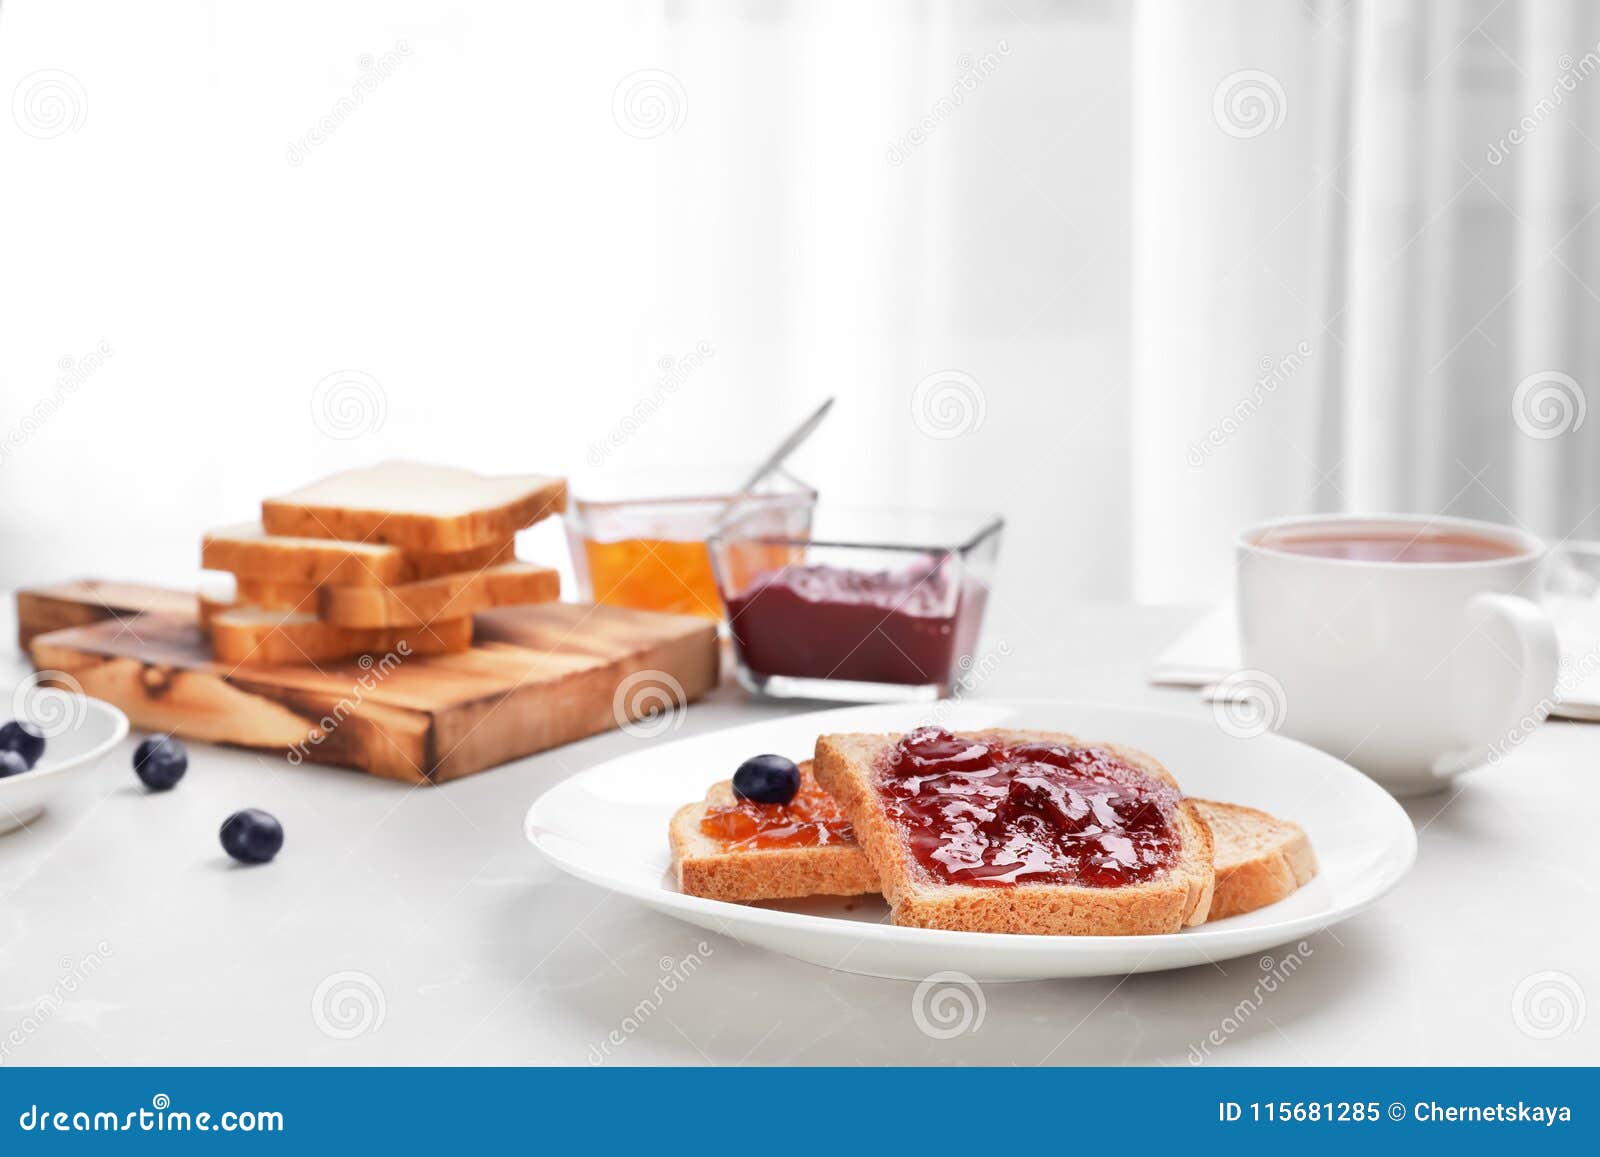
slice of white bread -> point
(707, 866)
(247, 550)
(1181, 895)
(418, 566)
(1259, 858)
(246, 634)
(410, 604)
(413, 604)
(416, 506)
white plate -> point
(78, 730)
(608, 825)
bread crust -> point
(242, 634)
(247, 551)
(1177, 898)
(1282, 860)
(706, 868)
(413, 604)
(418, 566)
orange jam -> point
(653, 575)
(656, 574)
(811, 820)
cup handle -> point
(1539, 662)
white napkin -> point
(1204, 653)
(1209, 650)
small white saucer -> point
(78, 730)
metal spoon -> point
(788, 446)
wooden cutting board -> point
(75, 604)
(536, 677)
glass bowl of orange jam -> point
(638, 538)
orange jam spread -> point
(810, 820)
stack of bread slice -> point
(1233, 859)
(394, 557)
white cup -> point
(1413, 672)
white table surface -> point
(483, 954)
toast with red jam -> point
(1022, 831)
(1258, 858)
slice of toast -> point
(416, 506)
(720, 869)
(247, 550)
(848, 767)
(1260, 859)
(413, 604)
(246, 634)
(419, 566)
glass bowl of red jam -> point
(869, 606)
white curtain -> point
(1134, 272)
(1366, 253)
(523, 238)
(922, 208)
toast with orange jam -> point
(727, 848)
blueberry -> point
(767, 779)
(160, 761)
(11, 764)
(24, 739)
(252, 836)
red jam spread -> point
(983, 814)
(827, 622)
(810, 820)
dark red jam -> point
(810, 820)
(826, 622)
(983, 814)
